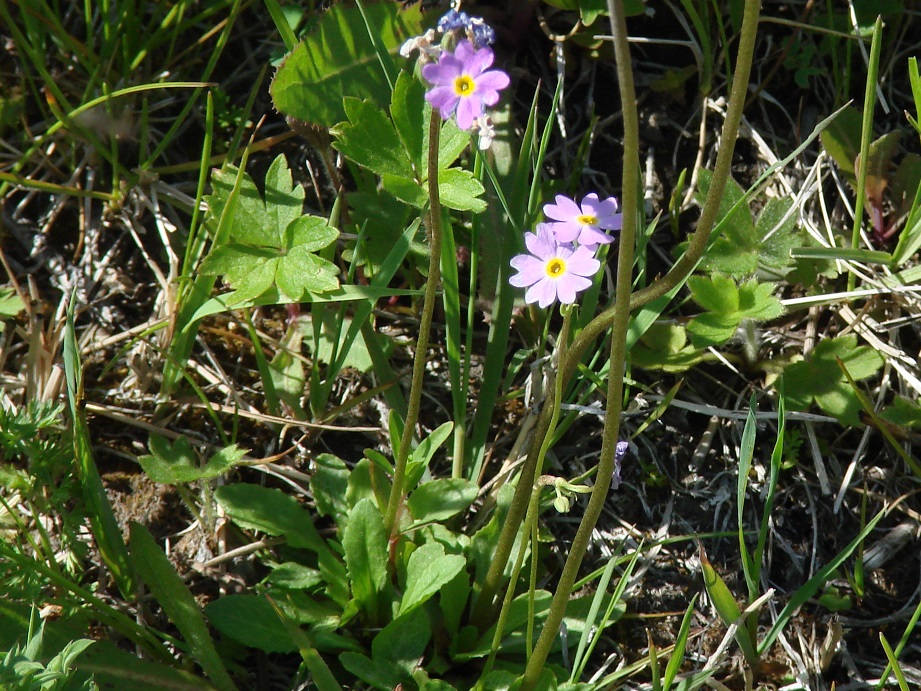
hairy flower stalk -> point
(483, 612)
(397, 490)
(622, 303)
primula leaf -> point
(271, 511)
(438, 500)
(427, 571)
(365, 543)
(252, 621)
(329, 483)
(270, 244)
(403, 641)
(370, 139)
(339, 59)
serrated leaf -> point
(270, 244)
(370, 139)
(460, 191)
(177, 463)
(406, 190)
(252, 621)
(709, 329)
(339, 59)
(820, 378)
(438, 500)
(407, 108)
(757, 302)
(428, 570)
(284, 201)
(247, 222)
(716, 294)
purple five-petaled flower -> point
(462, 83)
(553, 270)
(585, 222)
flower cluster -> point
(462, 84)
(477, 31)
(561, 253)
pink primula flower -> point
(553, 270)
(463, 84)
(585, 222)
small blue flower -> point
(619, 452)
(483, 33)
(453, 20)
(478, 31)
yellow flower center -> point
(555, 268)
(464, 85)
(587, 220)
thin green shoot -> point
(866, 136)
(906, 634)
(893, 663)
(281, 23)
(681, 642)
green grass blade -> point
(321, 676)
(450, 283)
(178, 603)
(869, 103)
(681, 642)
(588, 641)
(105, 528)
(746, 452)
(727, 607)
(811, 587)
(281, 23)
(106, 614)
(893, 663)
(909, 629)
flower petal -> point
(469, 109)
(565, 209)
(542, 292)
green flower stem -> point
(483, 615)
(483, 609)
(623, 303)
(397, 491)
